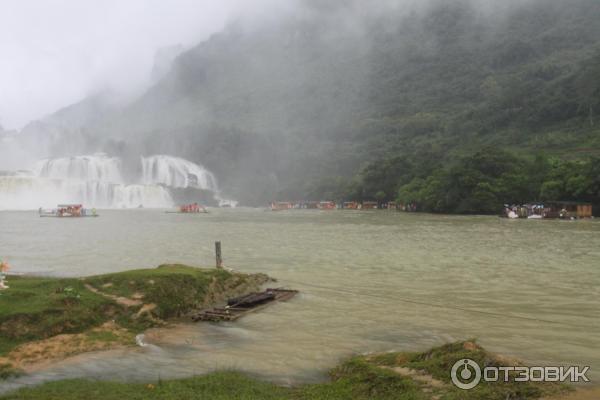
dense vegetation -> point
(364, 377)
(353, 99)
(485, 114)
(481, 183)
(478, 183)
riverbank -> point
(43, 320)
(47, 319)
(401, 376)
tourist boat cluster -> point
(549, 210)
(346, 205)
(545, 210)
(78, 211)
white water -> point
(98, 167)
(31, 192)
(176, 172)
(97, 181)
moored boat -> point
(193, 208)
(68, 211)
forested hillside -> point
(460, 106)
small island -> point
(43, 319)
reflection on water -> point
(365, 279)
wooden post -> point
(219, 259)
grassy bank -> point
(400, 376)
(43, 318)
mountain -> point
(163, 60)
(355, 99)
(70, 130)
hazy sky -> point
(55, 52)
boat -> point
(237, 307)
(68, 211)
(193, 208)
(251, 299)
(281, 205)
(327, 205)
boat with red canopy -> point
(68, 211)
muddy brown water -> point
(369, 281)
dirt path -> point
(127, 302)
(429, 384)
(38, 354)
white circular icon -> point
(469, 375)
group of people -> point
(192, 208)
(76, 210)
(71, 210)
(4, 267)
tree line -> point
(477, 183)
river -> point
(369, 281)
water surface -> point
(369, 281)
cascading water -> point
(98, 167)
(97, 181)
(29, 192)
(177, 173)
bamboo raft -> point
(239, 306)
(49, 215)
(186, 212)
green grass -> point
(37, 308)
(361, 377)
(360, 382)
(102, 336)
(438, 362)
(175, 289)
(215, 386)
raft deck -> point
(186, 212)
(240, 306)
(67, 216)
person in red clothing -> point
(4, 267)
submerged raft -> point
(239, 306)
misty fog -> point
(272, 98)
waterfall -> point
(150, 196)
(97, 181)
(29, 192)
(98, 167)
(177, 173)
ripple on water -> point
(366, 279)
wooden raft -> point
(240, 306)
